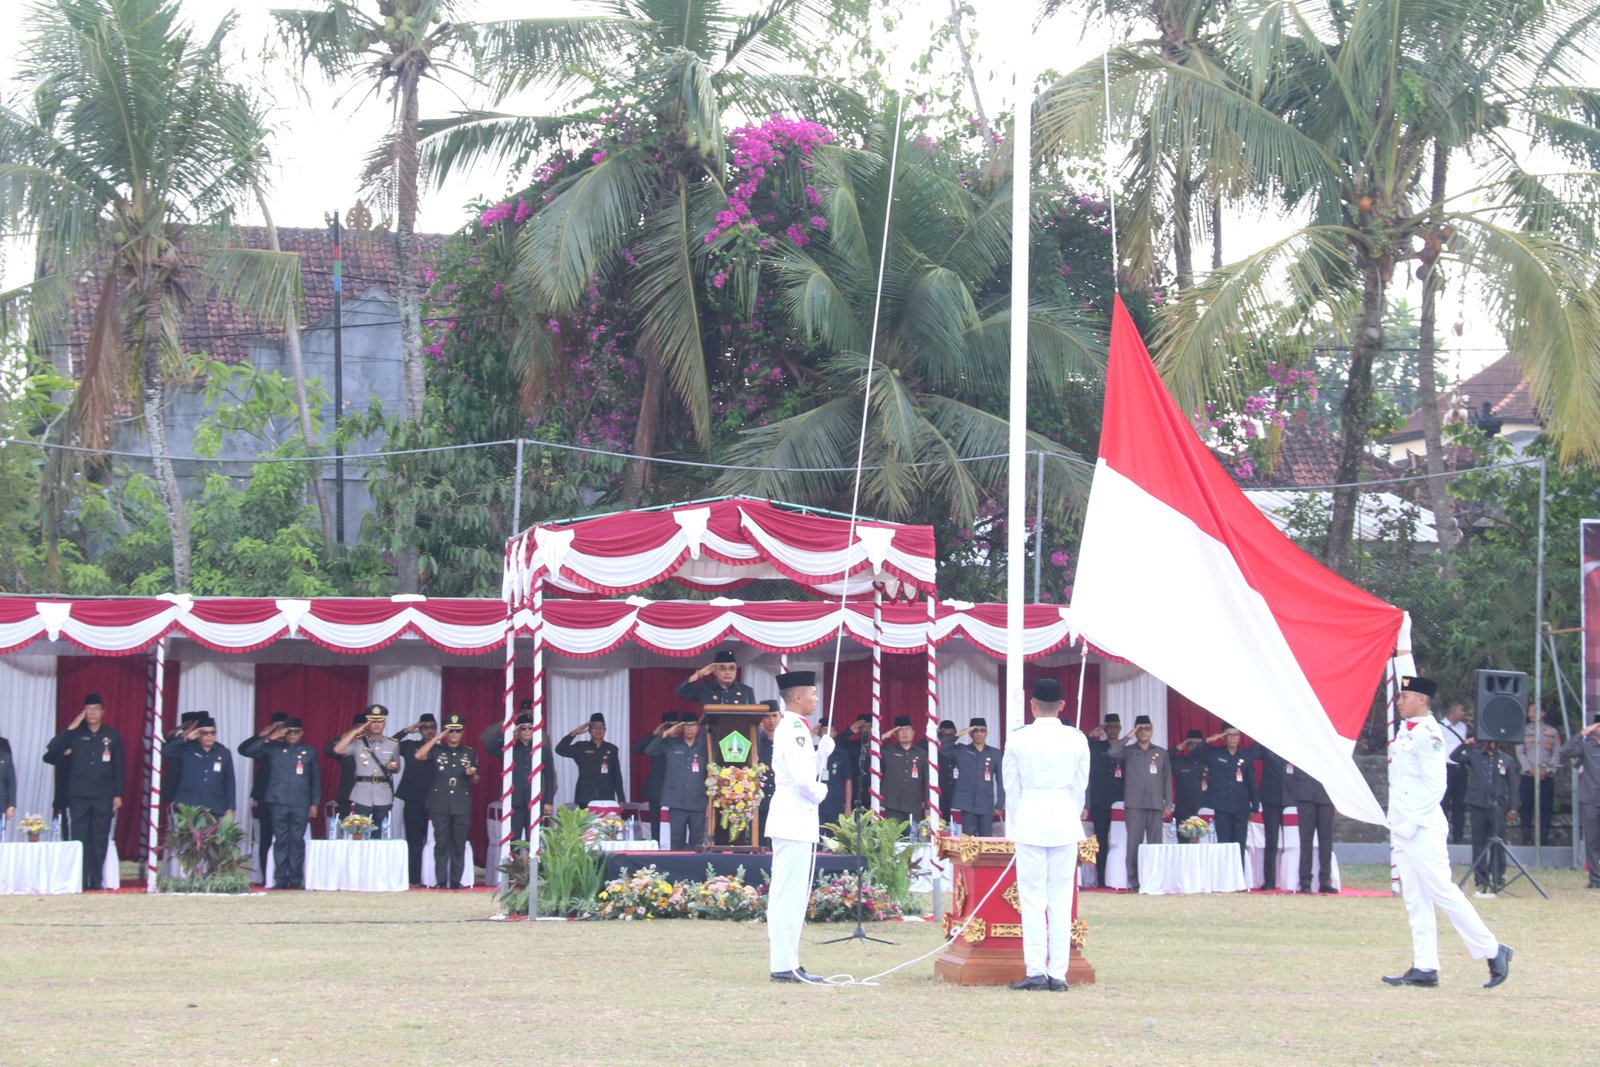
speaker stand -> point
(1497, 843)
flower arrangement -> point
(835, 900)
(725, 896)
(357, 826)
(737, 793)
(605, 828)
(644, 894)
(32, 825)
(1193, 828)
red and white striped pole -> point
(935, 799)
(152, 742)
(875, 786)
(508, 735)
(538, 755)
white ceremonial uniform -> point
(1046, 775)
(1418, 842)
(797, 768)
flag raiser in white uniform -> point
(797, 770)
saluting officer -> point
(657, 778)
(904, 773)
(979, 791)
(261, 774)
(1105, 787)
(169, 770)
(1418, 830)
(376, 760)
(92, 751)
(203, 767)
(522, 769)
(416, 781)
(294, 791)
(1584, 746)
(1231, 788)
(947, 769)
(599, 763)
(682, 750)
(347, 765)
(721, 687)
(455, 768)
(1189, 780)
(1147, 792)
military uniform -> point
(94, 780)
(1105, 790)
(416, 782)
(684, 792)
(1147, 794)
(977, 787)
(1231, 791)
(599, 768)
(1315, 812)
(1585, 748)
(204, 779)
(1273, 796)
(905, 781)
(294, 787)
(1487, 798)
(450, 808)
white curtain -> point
(408, 691)
(574, 695)
(969, 687)
(226, 689)
(1129, 691)
(28, 721)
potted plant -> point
(210, 853)
(356, 827)
(33, 826)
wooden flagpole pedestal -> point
(989, 950)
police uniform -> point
(655, 779)
(709, 691)
(904, 777)
(977, 786)
(416, 781)
(1231, 792)
(294, 787)
(94, 780)
(684, 791)
(1189, 783)
(793, 827)
(1417, 827)
(347, 768)
(1273, 796)
(1315, 812)
(599, 767)
(1146, 796)
(450, 804)
(204, 778)
(1046, 771)
(1105, 790)
(1585, 748)
(1487, 799)
(372, 792)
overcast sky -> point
(324, 132)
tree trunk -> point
(297, 370)
(1182, 227)
(153, 388)
(408, 303)
(1216, 231)
(966, 65)
(637, 479)
(1428, 391)
(1355, 417)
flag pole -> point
(1016, 482)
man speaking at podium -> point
(797, 790)
(1046, 772)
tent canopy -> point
(717, 546)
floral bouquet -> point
(357, 826)
(643, 894)
(737, 793)
(725, 896)
(32, 825)
(834, 899)
(604, 828)
(1193, 828)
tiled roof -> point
(1309, 455)
(218, 327)
(1501, 383)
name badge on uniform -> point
(105, 750)
(694, 764)
(1154, 769)
(299, 767)
(605, 767)
(955, 774)
(1116, 771)
(1288, 768)
(1502, 768)
(988, 772)
(1238, 774)
(914, 773)
(216, 765)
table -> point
(41, 867)
(364, 866)
(1199, 868)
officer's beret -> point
(428, 717)
(947, 725)
(524, 720)
(91, 698)
(293, 724)
(279, 716)
(1413, 684)
(597, 719)
(979, 723)
(796, 680)
(526, 705)
(724, 656)
(902, 720)
(376, 711)
(1141, 720)
(454, 721)
(1047, 690)
(688, 716)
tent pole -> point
(1538, 681)
(152, 732)
(538, 755)
(875, 787)
(935, 805)
(1016, 488)
(508, 733)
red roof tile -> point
(1501, 383)
(1309, 455)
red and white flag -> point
(1180, 574)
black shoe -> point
(1328, 889)
(786, 976)
(1415, 976)
(1594, 885)
(1269, 887)
(1033, 981)
(1499, 967)
(1058, 985)
(1305, 887)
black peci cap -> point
(1413, 684)
(1047, 690)
(902, 720)
(92, 698)
(796, 680)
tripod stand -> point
(860, 932)
(1498, 849)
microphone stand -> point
(860, 932)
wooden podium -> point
(720, 722)
(989, 951)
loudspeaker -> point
(1502, 706)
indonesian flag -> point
(1182, 575)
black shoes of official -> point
(1058, 985)
(1032, 982)
(1499, 967)
(797, 975)
(1415, 976)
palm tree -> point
(125, 161)
(654, 188)
(934, 441)
(1344, 105)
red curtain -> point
(905, 689)
(123, 683)
(852, 693)
(1184, 715)
(478, 693)
(651, 694)
(324, 698)
(1067, 675)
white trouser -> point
(787, 896)
(1423, 865)
(1045, 876)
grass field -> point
(297, 978)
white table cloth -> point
(1200, 868)
(1288, 854)
(629, 846)
(1116, 859)
(41, 867)
(364, 866)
